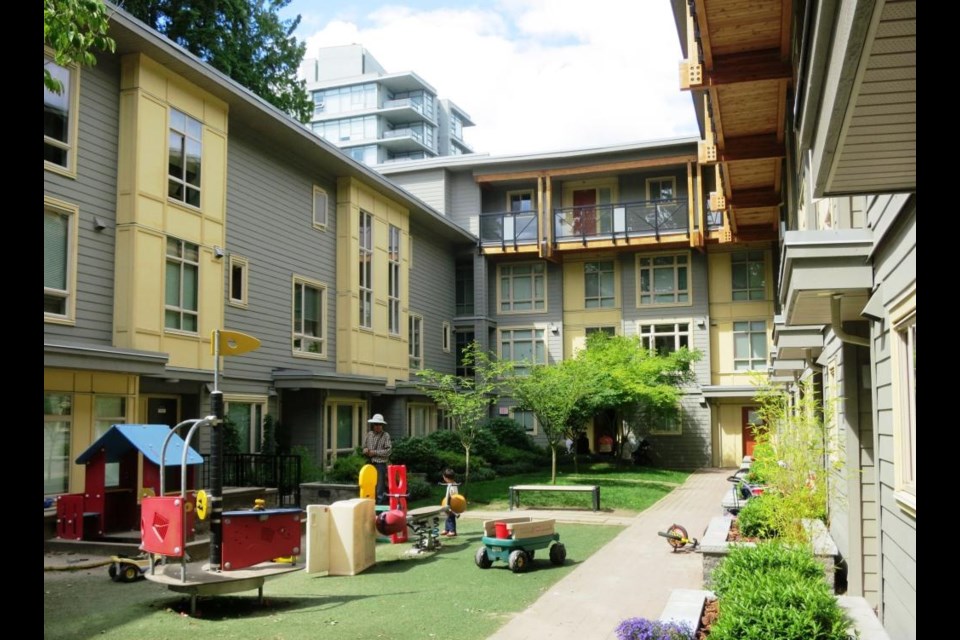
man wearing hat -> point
(377, 446)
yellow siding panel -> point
(57, 380)
(718, 266)
(214, 183)
(731, 435)
(151, 150)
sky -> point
(534, 75)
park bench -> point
(576, 488)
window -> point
(523, 287)
(57, 423)
(664, 338)
(903, 319)
(464, 288)
(525, 347)
(518, 201)
(421, 419)
(183, 274)
(246, 414)
(463, 337)
(238, 281)
(320, 203)
(186, 136)
(366, 270)
(309, 326)
(415, 345)
(447, 337)
(527, 419)
(661, 188)
(343, 428)
(747, 273)
(610, 331)
(108, 411)
(60, 119)
(749, 345)
(59, 260)
(663, 279)
(393, 282)
(598, 284)
(668, 425)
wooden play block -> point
(532, 529)
(489, 526)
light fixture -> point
(218, 252)
(172, 380)
(99, 223)
(554, 329)
(701, 323)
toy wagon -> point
(514, 541)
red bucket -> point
(501, 529)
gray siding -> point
(94, 192)
(464, 201)
(895, 268)
(553, 314)
(270, 222)
(429, 186)
(431, 296)
(691, 449)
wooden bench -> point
(577, 488)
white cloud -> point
(535, 75)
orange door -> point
(750, 417)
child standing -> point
(450, 479)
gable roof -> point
(145, 438)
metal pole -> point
(216, 463)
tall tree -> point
(72, 28)
(245, 39)
(466, 400)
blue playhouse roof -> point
(146, 438)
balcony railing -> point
(403, 133)
(404, 102)
(509, 228)
(714, 219)
(624, 220)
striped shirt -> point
(379, 445)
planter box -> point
(714, 547)
(686, 605)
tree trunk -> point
(466, 473)
(553, 464)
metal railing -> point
(279, 471)
(508, 228)
(622, 220)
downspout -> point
(837, 325)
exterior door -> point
(163, 411)
(585, 212)
(750, 418)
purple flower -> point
(643, 629)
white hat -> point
(377, 419)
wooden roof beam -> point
(754, 199)
(751, 148)
(752, 66)
(608, 167)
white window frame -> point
(600, 299)
(521, 192)
(73, 117)
(537, 304)
(185, 135)
(184, 263)
(750, 331)
(660, 179)
(296, 332)
(102, 424)
(747, 260)
(506, 337)
(417, 411)
(62, 439)
(393, 279)
(358, 409)
(254, 430)
(69, 295)
(365, 284)
(676, 428)
(321, 208)
(648, 332)
(415, 341)
(903, 330)
(447, 337)
(651, 269)
(535, 429)
(243, 265)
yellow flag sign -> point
(233, 343)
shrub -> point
(644, 629)
(775, 515)
(764, 466)
(310, 471)
(758, 518)
(347, 468)
(481, 474)
(744, 563)
(419, 454)
(510, 433)
(417, 490)
(445, 441)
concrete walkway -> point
(629, 577)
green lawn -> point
(441, 595)
(629, 490)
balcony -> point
(622, 221)
(509, 229)
(404, 110)
(405, 140)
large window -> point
(60, 119)
(421, 419)
(309, 326)
(750, 345)
(366, 270)
(108, 411)
(246, 414)
(186, 145)
(415, 344)
(347, 129)
(343, 428)
(527, 419)
(59, 260)
(663, 279)
(599, 285)
(464, 288)
(345, 99)
(668, 425)
(183, 273)
(463, 338)
(523, 287)
(393, 282)
(748, 274)
(57, 422)
(665, 337)
(525, 347)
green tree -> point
(73, 28)
(244, 39)
(466, 400)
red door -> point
(584, 212)
(750, 417)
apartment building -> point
(378, 117)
